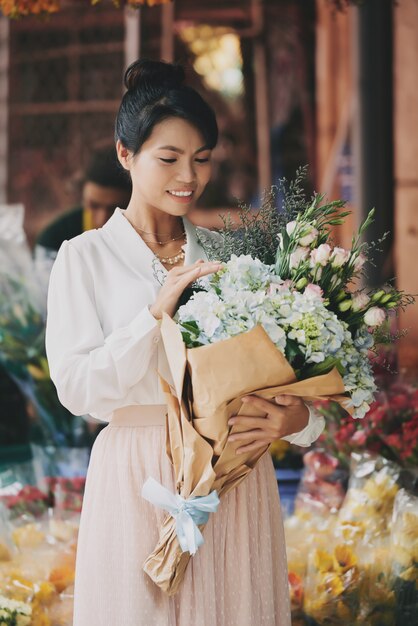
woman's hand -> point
(284, 416)
(177, 280)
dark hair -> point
(105, 170)
(155, 92)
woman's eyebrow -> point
(174, 149)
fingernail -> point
(245, 399)
(231, 421)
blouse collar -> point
(136, 252)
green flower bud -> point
(391, 305)
(386, 298)
(345, 305)
(378, 295)
(341, 295)
(301, 284)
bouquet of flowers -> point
(279, 317)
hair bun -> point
(146, 73)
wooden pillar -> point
(261, 100)
(132, 35)
(406, 170)
(4, 108)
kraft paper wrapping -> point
(209, 384)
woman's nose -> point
(187, 173)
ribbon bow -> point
(188, 513)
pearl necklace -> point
(171, 260)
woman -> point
(104, 351)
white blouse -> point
(103, 344)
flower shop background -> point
(325, 83)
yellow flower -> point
(410, 525)
(27, 536)
(318, 608)
(332, 584)
(36, 372)
(401, 556)
(410, 574)
(323, 561)
(344, 558)
(351, 530)
(279, 448)
(46, 593)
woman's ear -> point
(124, 155)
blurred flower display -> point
(357, 565)
(390, 428)
(22, 340)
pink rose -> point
(321, 254)
(374, 316)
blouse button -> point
(156, 339)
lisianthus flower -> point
(375, 316)
(359, 301)
(339, 257)
(321, 254)
(296, 257)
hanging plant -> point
(23, 8)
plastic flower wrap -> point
(322, 488)
(38, 571)
(332, 593)
(371, 494)
(404, 557)
(22, 336)
(377, 599)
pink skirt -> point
(237, 578)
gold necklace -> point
(171, 260)
(163, 243)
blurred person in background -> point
(105, 187)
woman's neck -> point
(151, 221)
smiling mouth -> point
(181, 194)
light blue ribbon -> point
(188, 513)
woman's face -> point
(172, 168)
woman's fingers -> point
(249, 435)
(260, 403)
(252, 446)
(287, 400)
(249, 422)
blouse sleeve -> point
(311, 432)
(92, 373)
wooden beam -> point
(67, 107)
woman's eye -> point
(174, 160)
